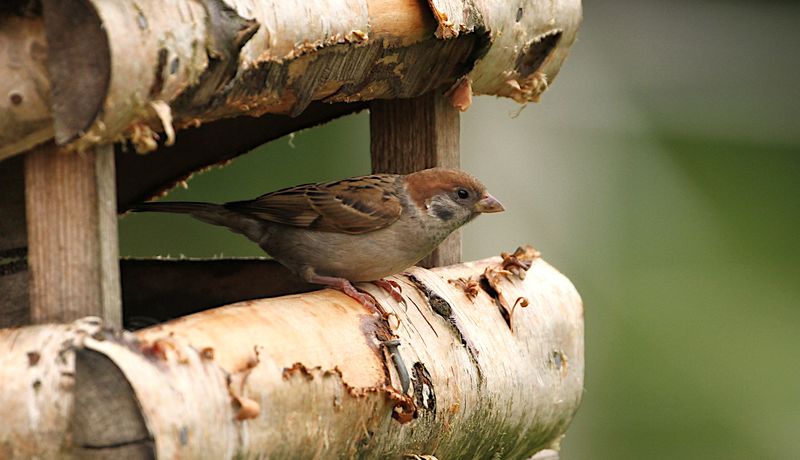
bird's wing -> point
(357, 205)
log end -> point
(80, 69)
(107, 420)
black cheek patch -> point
(442, 212)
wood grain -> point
(412, 134)
(72, 235)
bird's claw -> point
(361, 297)
(392, 288)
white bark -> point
(130, 68)
(306, 375)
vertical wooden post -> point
(72, 235)
(412, 134)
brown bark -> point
(493, 353)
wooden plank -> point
(157, 290)
(14, 305)
(412, 134)
(72, 235)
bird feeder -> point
(105, 104)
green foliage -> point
(338, 149)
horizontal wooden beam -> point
(157, 290)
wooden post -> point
(72, 235)
(412, 134)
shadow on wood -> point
(157, 290)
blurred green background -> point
(661, 173)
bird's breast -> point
(364, 257)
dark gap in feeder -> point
(157, 290)
(486, 286)
(158, 81)
(537, 53)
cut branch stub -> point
(527, 32)
(128, 69)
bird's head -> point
(452, 196)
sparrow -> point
(351, 230)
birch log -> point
(127, 69)
(480, 359)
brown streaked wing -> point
(289, 206)
(357, 205)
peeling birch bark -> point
(37, 379)
(129, 69)
(529, 45)
(313, 375)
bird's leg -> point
(344, 286)
(391, 287)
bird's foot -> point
(348, 289)
(361, 297)
(369, 302)
(392, 288)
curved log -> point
(479, 359)
(128, 69)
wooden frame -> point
(72, 235)
(86, 83)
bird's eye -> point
(463, 193)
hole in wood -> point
(537, 53)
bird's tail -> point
(180, 207)
(210, 213)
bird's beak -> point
(488, 203)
